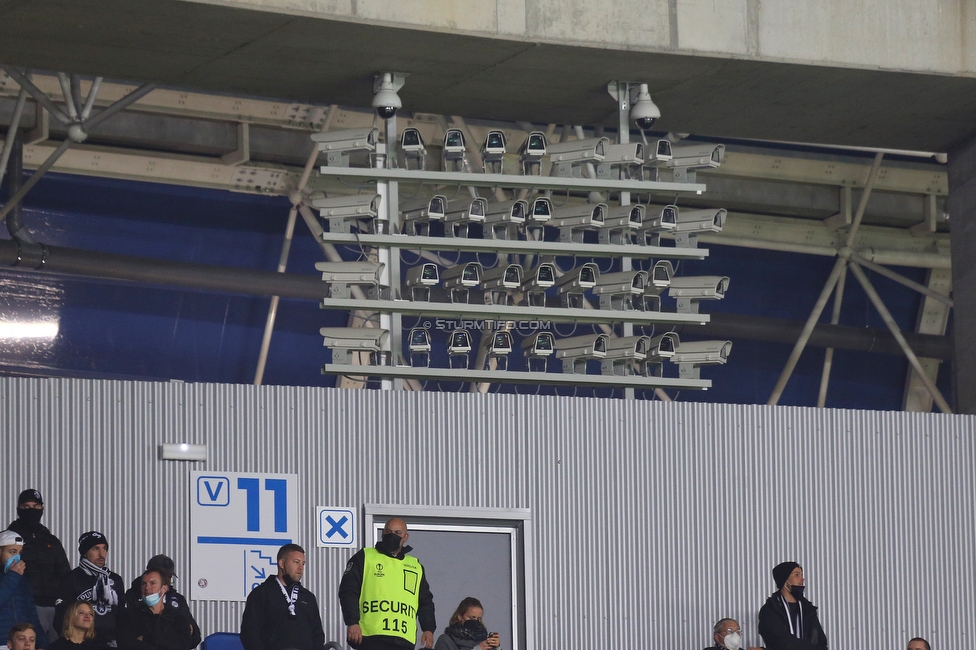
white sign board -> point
(336, 527)
(237, 524)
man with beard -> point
(280, 613)
(47, 564)
(94, 583)
(384, 592)
(788, 621)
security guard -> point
(384, 592)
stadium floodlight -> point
(460, 279)
(575, 351)
(538, 347)
(619, 290)
(689, 290)
(418, 345)
(665, 220)
(659, 348)
(625, 355)
(461, 213)
(343, 211)
(621, 223)
(572, 285)
(420, 279)
(688, 157)
(691, 356)
(418, 213)
(413, 147)
(459, 348)
(532, 151)
(342, 275)
(343, 341)
(338, 144)
(690, 223)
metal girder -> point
(933, 318)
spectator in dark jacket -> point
(788, 621)
(16, 602)
(158, 621)
(47, 564)
(167, 570)
(78, 632)
(93, 583)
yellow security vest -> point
(390, 595)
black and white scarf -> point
(102, 596)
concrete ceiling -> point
(221, 49)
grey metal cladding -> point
(651, 520)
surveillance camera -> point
(542, 277)
(659, 348)
(500, 344)
(462, 276)
(367, 339)
(659, 153)
(699, 155)
(418, 340)
(459, 342)
(425, 275)
(692, 221)
(689, 356)
(586, 215)
(579, 151)
(411, 141)
(454, 142)
(643, 111)
(627, 347)
(466, 210)
(506, 277)
(534, 146)
(659, 277)
(506, 212)
(617, 290)
(579, 279)
(689, 290)
(346, 140)
(386, 101)
(663, 221)
(540, 211)
(351, 272)
(421, 211)
(539, 344)
(630, 153)
(494, 146)
(578, 349)
(354, 206)
(620, 223)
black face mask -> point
(30, 516)
(390, 543)
(797, 591)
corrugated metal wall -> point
(651, 520)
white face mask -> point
(733, 641)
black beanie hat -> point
(89, 539)
(30, 494)
(782, 571)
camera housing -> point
(337, 145)
(625, 355)
(572, 220)
(659, 348)
(345, 340)
(386, 101)
(689, 157)
(537, 348)
(691, 356)
(342, 210)
(501, 282)
(413, 147)
(532, 151)
(418, 346)
(644, 113)
(342, 275)
(576, 350)
(664, 220)
(458, 347)
(421, 278)
(576, 152)
(689, 290)
(621, 223)
(617, 290)
(418, 213)
(502, 219)
(461, 213)
(460, 279)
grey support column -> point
(962, 221)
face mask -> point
(733, 641)
(797, 591)
(30, 516)
(152, 599)
(10, 562)
(390, 543)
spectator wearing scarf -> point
(94, 583)
(466, 631)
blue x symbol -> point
(336, 526)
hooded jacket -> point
(774, 626)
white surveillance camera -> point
(689, 356)
(346, 140)
(542, 277)
(494, 145)
(351, 272)
(535, 146)
(577, 349)
(419, 212)
(500, 344)
(659, 348)
(418, 340)
(585, 215)
(425, 275)
(628, 347)
(659, 153)
(540, 211)
(504, 277)
(621, 222)
(539, 344)
(459, 343)
(711, 220)
(659, 277)
(698, 155)
(643, 111)
(454, 142)
(617, 290)
(665, 220)
(367, 339)
(354, 206)
(466, 210)
(462, 276)
(386, 101)
(689, 290)
(506, 212)
(630, 153)
(579, 279)
(591, 150)
(411, 141)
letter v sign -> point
(213, 491)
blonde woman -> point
(78, 631)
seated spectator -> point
(918, 643)
(167, 569)
(78, 632)
(16, 601)
(465, 629)
(158, 622)
(727, 635)
(22, 636)
(92, 582)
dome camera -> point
(386, 101)
(644, 112)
